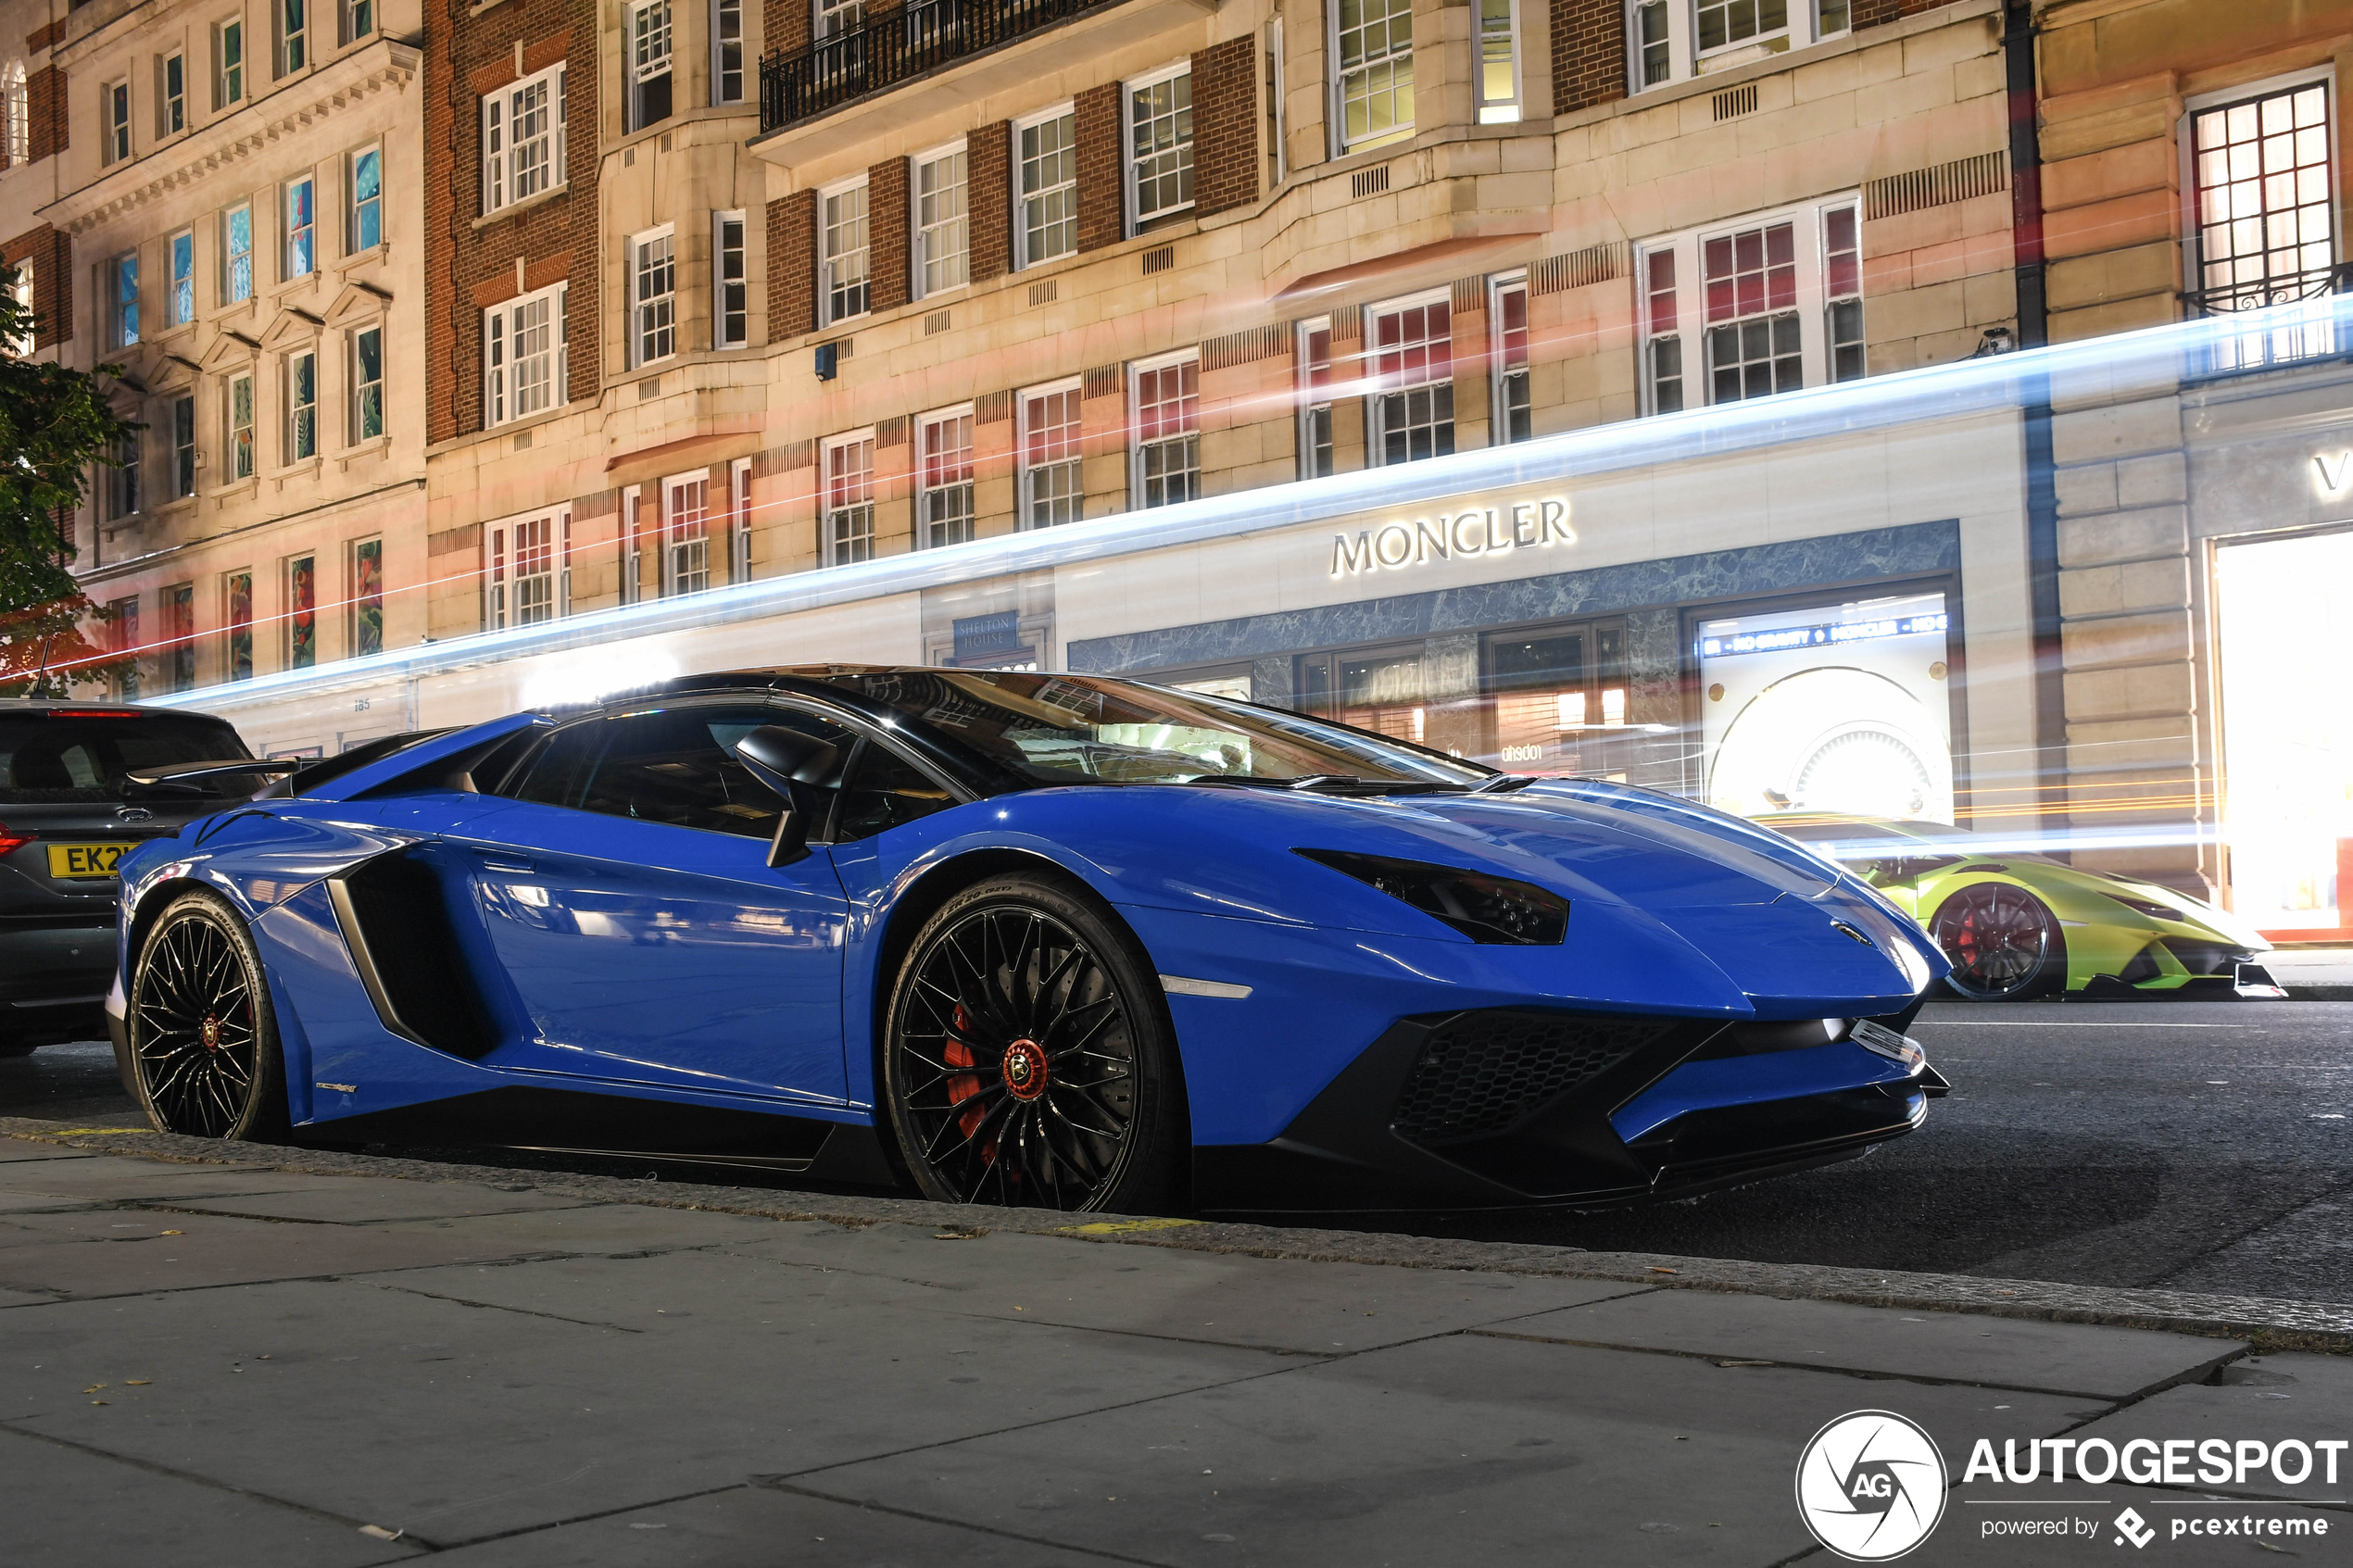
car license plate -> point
(69, 861)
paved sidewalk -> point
(236, 1355)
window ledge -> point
(515, 209)
(235, 487)
(374, 447)
(302, 467)
(481, 5)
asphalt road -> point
(2198, 1147)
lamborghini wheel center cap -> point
(210, 1033)
(1025, 1070)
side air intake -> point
(397, 925)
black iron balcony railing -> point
(2289, 337)
(896, 46)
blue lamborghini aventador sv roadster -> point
(1017, 939)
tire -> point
(1074, 1098)
(2005, 944)
(204, 1039)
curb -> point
(2273, 1324)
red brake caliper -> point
(964, 1085)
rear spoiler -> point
(189, 772)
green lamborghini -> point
(2019, 924)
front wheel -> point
(1028, 1059)
(203, 1041)
(2004, 942)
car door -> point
(630, 903)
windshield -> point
(63, 757)
(1069, 729)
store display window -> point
(1557, 700)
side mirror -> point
(780, 758)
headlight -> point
(1494, 909)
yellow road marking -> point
(1123, 1227)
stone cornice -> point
(238, 137)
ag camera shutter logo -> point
(1870, 1485)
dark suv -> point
(67, 814)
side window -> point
(675, 766)
(554, 776)
(883, 790)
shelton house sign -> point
(1481, 531)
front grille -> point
(1480, 1072)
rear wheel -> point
(1028, 1059)
(203, 1041)
(2004, 942)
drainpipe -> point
(2041, 488)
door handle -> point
(508, 863)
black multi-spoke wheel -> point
(1028, 1056)
(203, 1038)
(2004, 942)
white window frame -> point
(116, 97)
(511, 596)
(945, 513)
(299, 431)
(1023, 256)
(835, 506)
(502, 389)
(229, 254)
(183, 446)
(1278, 94)
(239, 460)
(730, 297)
(1139, 448)
(1500, 369)
(632, 544)
(653, 317)
(293, 18)
(1810, 306)
(685, 533)
(171, 114)
(724, 12)
(1073, 462)
(857, 291)
(1400, 129)
(1378, 391)
(356, 204)
(122, 304)
(16, 110)
(356, 388)
(227, 74)
(1314, 399)
(1506, 109)
(20, 288)
(739, 520)
(960, 222)
(180, 306)
(649, 54)
(307, 233)
(357, 19)
(505, 170)
(1807, 25)
(1131, 169)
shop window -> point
(367, 188)
(228, 65)
(1167, 403)
(1507, 319)
(1670, 41)
(944, 490)
(848, 478)
(180, 636)
(1558, 699)
(727, 51)
(302, 612)
(523, 359)
(1498, 62)
(1378, 691)
(685, 533)
(236, 626)
(1160, 144)
(2266, 228)
(1052, 479)
(942, 225)
(172, 110)
(238, 404)
(302, 406)
(182, 307)
(653, 297)
(302, 228)
(184, 447)
(731, 317)
(1047, 224)
(1763, 306)
(1315, 360)
(1413, 411)
(649, 64)
(115, 96)
(366, 382)
(364, 634)
(122, 304)
(523, 139)
(1373, 89)
(520, 569)
(843, 251)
